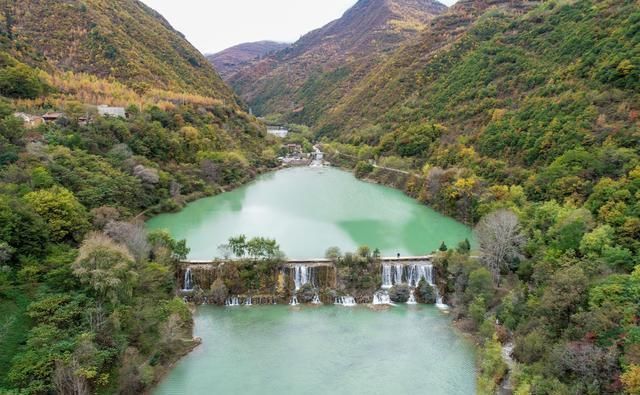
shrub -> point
(65, 216)
(363, 169)
(306, 293)
(333, 253)
(134, 236)
(425, 293)
(631, 379)
(480, 284)
(219, 291)
(492, 366)
(531, 347)
(400, 293)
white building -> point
(277, 131)
(106, 111)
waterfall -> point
(318, 158)
(303, 274)
(380, 298)
(316, 299)
(418, 272)
(439, 300)
(232, 301)
(387, 281)
(294, 301)
(248, 302)
(412, 298)
(392, 275)
(410, 275)
(347, 301)
(397, 274)
(188, 280)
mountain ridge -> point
(228, 61)
(340, 51)
(124, 39)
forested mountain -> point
(123, 39)
(306, 78)
(230, 60)
(521, 118)
(87, 301)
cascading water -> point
(412, 298)
(316, 299)
(439, 300)
(380, 298)
(294, 301)
(248, 302)
(387, 280)
(419, 271)
(303, 274)
(407, 274)
(232, 301)
(188, 280)
(392, 275)
(397, 274)
(347, 301)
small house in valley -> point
(294, 148)
(51, 117)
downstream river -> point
(281, 350)
(310, 209)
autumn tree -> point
(501, 240)
(107, 267)
(631, 379)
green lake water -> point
(324, 350)
(308, 210)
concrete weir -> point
(291, 275)
(323, 261)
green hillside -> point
(533, 109)
(122, 39)
(87, 301)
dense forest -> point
(525, 125)
(87, 302)
(519, 118)
(83, 287)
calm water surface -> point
(324, 350)
(308, 210)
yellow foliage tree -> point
(631, 380)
